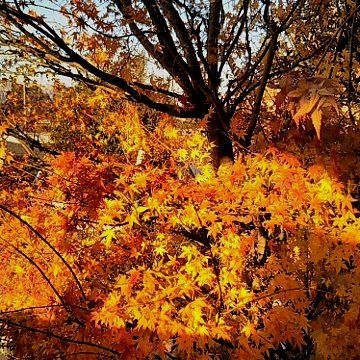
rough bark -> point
(222, 152)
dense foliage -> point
(216, 215)
(131, 245)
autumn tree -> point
(219, 56)
(108, 254)
(123, 241)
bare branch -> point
(261, 90)
(183, 35)
(212, 40)
(166, 62)
(74, 58)
(229, 48)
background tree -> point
(219, 56)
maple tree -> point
(108, 254)
(120, 238)
(218, 55)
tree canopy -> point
(115, 249)
(211, 56)
(128, 233)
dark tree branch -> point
(213, 40)
(183, 35)
(13, 214)
(269, 51)
(228, 50)
(164, 35)
(32, 262)
(246, 77)
(55, 336)
(169, 47)
(80, 353)
(41, 307)
(261, 90)
(28, 140)
(351, 61)
(165, 61)
(156, 90)
(75, 58)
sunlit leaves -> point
(309, 98)
(259, 254)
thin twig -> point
(59, 337)
(42, 238)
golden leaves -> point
(249, 329)
(193, 316)
(309, 98)
(236, 258)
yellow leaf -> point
(2, 152)
(109, 235)
(56, 270)
(19, 270)
(171, 133)
(316, 117)
(141, 209)
(160, 250)
(182, 154)
(248, 329)
(160, 236)
(132, 218)
(306, 107)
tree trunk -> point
(219, 136)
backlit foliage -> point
(257, 260)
